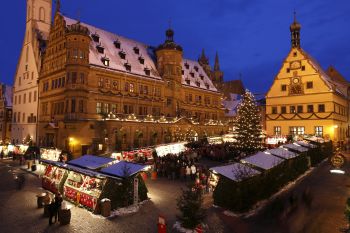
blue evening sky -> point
(251, 36)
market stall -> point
(173, 148)
(140, 155)
(306, 144)
(295, 147)
(282, 153)
(7, 150)
(84, 187)
(52, 154)
(54, 176)
(215, 140)
(263, 160)
(275, 140)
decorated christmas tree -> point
(190, 206)
(248, 129)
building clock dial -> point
(296, 80)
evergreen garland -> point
(248, 129)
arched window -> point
(42, 14)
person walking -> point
(193, 171)
(51, 211)
(188, 172)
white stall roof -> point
(306, 144)
(263, 160)
(235, 171)
(283, 153)
(315, 139)
(296, 147)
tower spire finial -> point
(295, 32)
(216, 65)
(58, 6)
(295, 16)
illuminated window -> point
(319, 131)
(100, 82)
(98, 107)
(292, 109)
(277, 130)
(297, 130)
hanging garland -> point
(298, 115)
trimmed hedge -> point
(241, 196)
(121, 192)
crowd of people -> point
(183, 167)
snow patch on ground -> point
(179, 228)
(127, 210)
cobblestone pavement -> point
(19, 213)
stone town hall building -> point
(99, 91)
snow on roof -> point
(306, 144)
(282, 152)
(127, 46)
(263, 160)
(235, 171)
(231, 104)
(296, 147)
(123, 169)
(90, 161)
(73, 168)
(315, 139)
(195, 74)
(332, 84)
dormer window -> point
(95, 37)
(187, 65)
(182, 72)
(207, 85)
(122, 54)
(100, 48)
(201, 76)
(196, 68)
(117, 44)
(188, 81)
(147, 71)
(198, 83)
(192, 74)
(136, 50)
(141, 60)
(127, 66)
(105, 61)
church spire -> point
(203, 60)
(295, 32)
(58, 6)
(216, 65)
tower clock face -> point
(296, 80)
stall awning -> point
(236, 171)
(123, 169)
(91, 162)
(263, 160)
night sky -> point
(251, 36)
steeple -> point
(295, 32)
(203, 60)
(58, 6)
(216, 65)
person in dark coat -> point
(51, 211)
(58, 203)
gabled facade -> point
(304, 99)
(102, 92)
(25, 88)
(5, 113)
